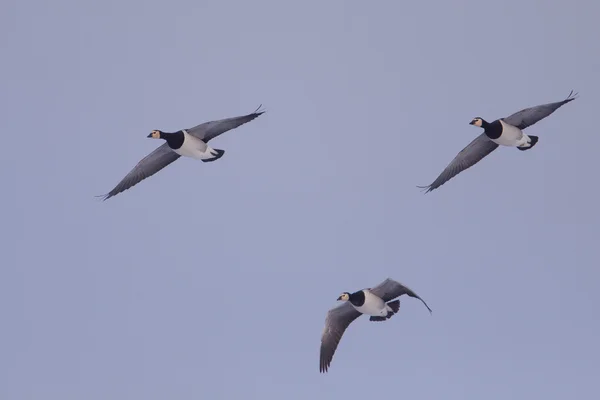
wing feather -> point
(475, 151)
(212, 129)
(148, 166)
(390, 289)
(336, 322)
(529, 116)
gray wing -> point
(475, 151)
(212, 129)
(336, 323)
(148, 166)
(390, 289)
(529, 116)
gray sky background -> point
(212, 280)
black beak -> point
(150, 135)
(339, 298)
(472, 122)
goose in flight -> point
(375, 302)
(504, 131)
(192, 142)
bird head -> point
(477, 122)
(344, 296)
(155, 134)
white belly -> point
(194, 148)
(511, 136)
(373, 306)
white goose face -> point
(154, 134)
(344, 296)
(477, 122)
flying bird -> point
(373, 302)
(192, 142)
(504, 131)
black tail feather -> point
(534, 140)
(217, 153)
(394, 305)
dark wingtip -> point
(426, 189)
(259, 112)
(572, 96)
(430, 310)
(323, 367)
(422, 301)
(104, 196)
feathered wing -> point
(212, 129)
(529, 116)
(475, 151)
(390, 289)
(336, 322)
(148, 166)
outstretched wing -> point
(336, 322)
(390, 289)
(148, 166)
(529, 116)
(212, 129)
(475, 151)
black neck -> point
(357, 298)
(174, 139)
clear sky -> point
(212, 280)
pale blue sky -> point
(212, 280)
